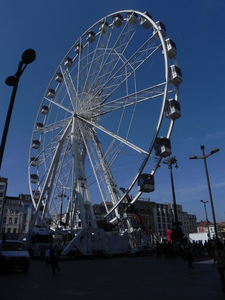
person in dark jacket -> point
(219, 256)
(54, 259)
(189, 254)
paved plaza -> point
(115, 278)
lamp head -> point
(193, 157)
(204, 201)
(214, 150)
(10, 81)
(28, 56)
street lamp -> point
(214, 150)
(62, 195)
(27, 57)
(206, 215)
(170, 161)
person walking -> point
(47, 256)
(219, 257)
(54, 258)
(189, 254)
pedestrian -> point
(54, 258)
(189, 254)
(219, 256)
(47, 256)
(157, 249)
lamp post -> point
(170, 161)
(214, 150)
(62, 195)
(206, 215)
(27, 57)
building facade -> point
(12, 215)
(157, 218)
(208, 227)
(192, 223)
(17, 214)
(27, 211)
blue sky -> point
(51, 27)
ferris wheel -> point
(105, 119)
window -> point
(4, 220)
(16, 220)
(17, 212)
(11, 212)
(10, 220)
(14, 230)
(2, 187)
(9, 230)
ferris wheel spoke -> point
(49, 149)
(116, 79)
(46, 153)
(111, 57)
(117, 137)
(54, 102)
(55, 126)
(130, 99)
(108, 71)
(97, 62)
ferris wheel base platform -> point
(92, 241)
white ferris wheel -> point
(105, 119)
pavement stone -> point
(116, 278)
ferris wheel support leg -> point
(109, 180)
(80, 199)
(91, 211)
(47, 187)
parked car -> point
(14, 255)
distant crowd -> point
(199, 249)
(206, 249)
